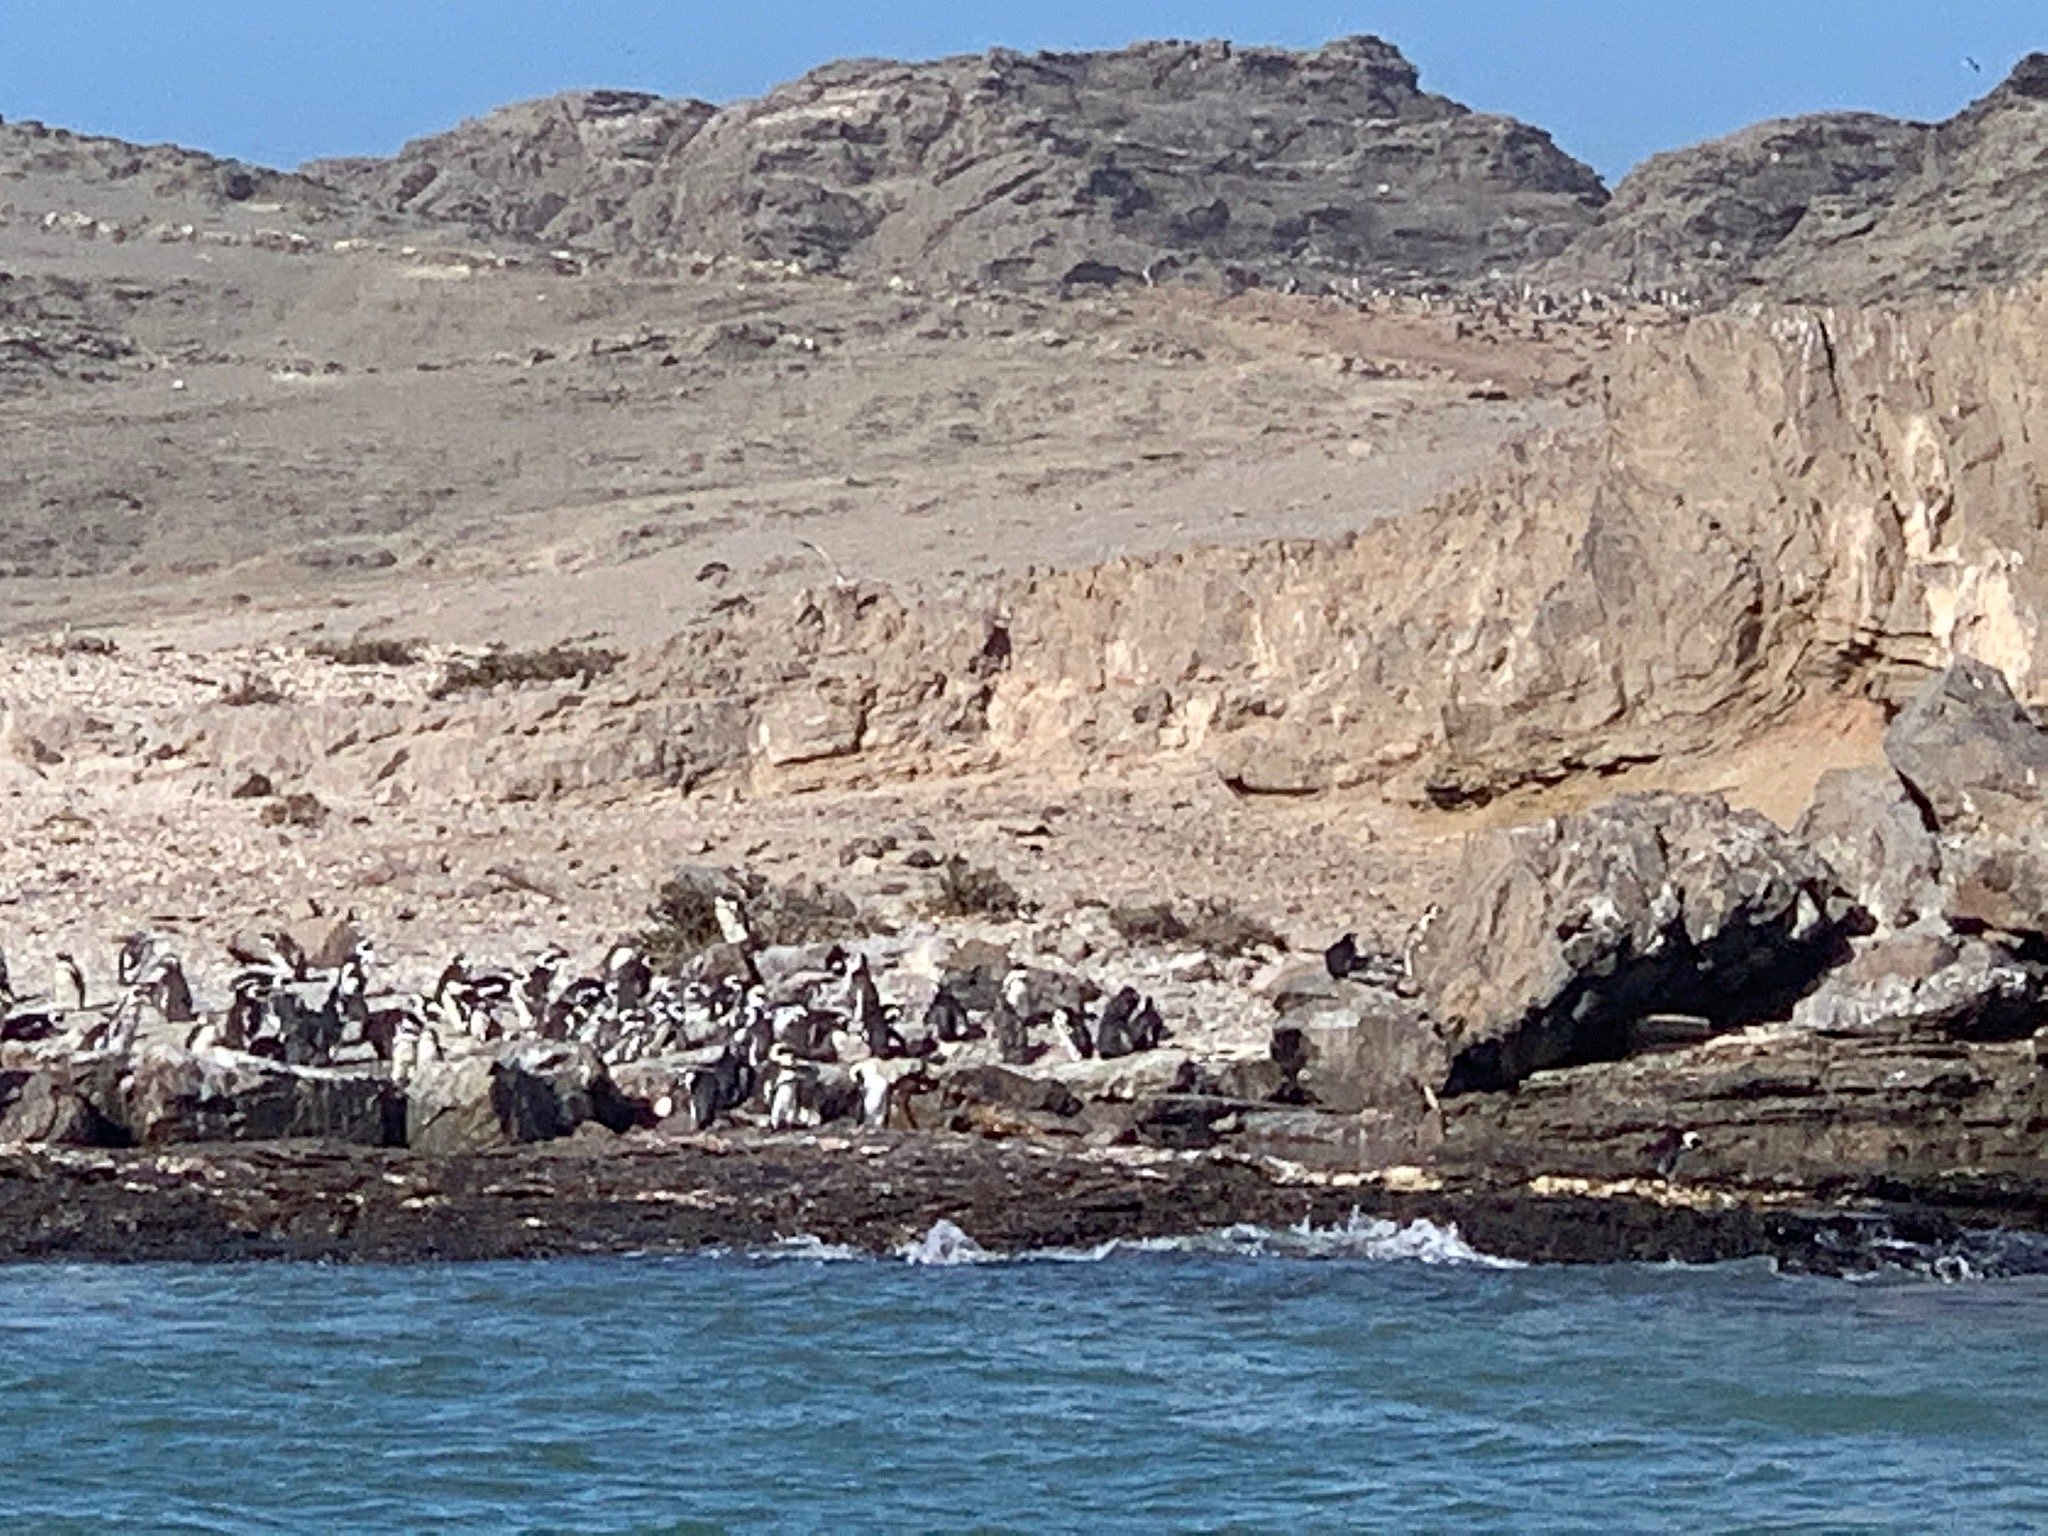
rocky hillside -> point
(1305, 166)
(1780, 513)
(1837, 207)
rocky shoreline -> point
(881, 1193)
(1659, 1030)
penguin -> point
(165, 982)
(626, 976)
(136, 951)
(1668, 1152)
(792, 1093)
(1072, 1030)
(870, 1018)
(732, 923)
(1341, 958)
(877, 1093)
(537, 991)
(945, 1018)
(1013, 1035)
(1114, 1035)
(705, 1098)
(70, 987)
(1148, 1029)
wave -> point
(1357, 1237)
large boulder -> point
(535, 1091)
(49, 1106)
(1935, 981)
(1971, 753)
(1356, 1047)
(1977, 763)
(1873, 835)
(175, 1095)
(1560, 939)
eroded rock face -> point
(1881, 1108)
(1079, 168)
(1562, 939)
(1357, 1047)
(1835, 207)
(48, 1106)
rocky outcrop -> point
(1932, 980)
(1080, 168)
(170, 1095)
(53, 1105)
(1838, 207)
(1970, 754)
(1563, 943)
(535, 1092)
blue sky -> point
(280, 81)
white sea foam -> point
(815, 1249)
(945, 1245)
(1357, 1237)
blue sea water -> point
(1374, 1381)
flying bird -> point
(1974, 67)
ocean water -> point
(1363, 1380)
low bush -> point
(556, 664)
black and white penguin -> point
(1114, 1033)
(945, 1018)
(1148, 1029)
(627, 976)
(133, 957)
(870, 1018)
(1072, 1029)
(1013, 1035)
(69, 990)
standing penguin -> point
(945, 1017)
(70, 984)
(1013, 1035)
(1113, 1031)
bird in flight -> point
(1974, 67)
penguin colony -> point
(798, 1048)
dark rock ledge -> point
(879, 1191)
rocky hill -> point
(1006, 167)
(1836, 207)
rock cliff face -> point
(1033, 169)
(1796, 505)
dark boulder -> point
(50, 1107)
(537, 1091)
(1970, 753)
(1873, 834)
(1937, 982)
(172, 1095)
(1361, 1047)
(1560, 939)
